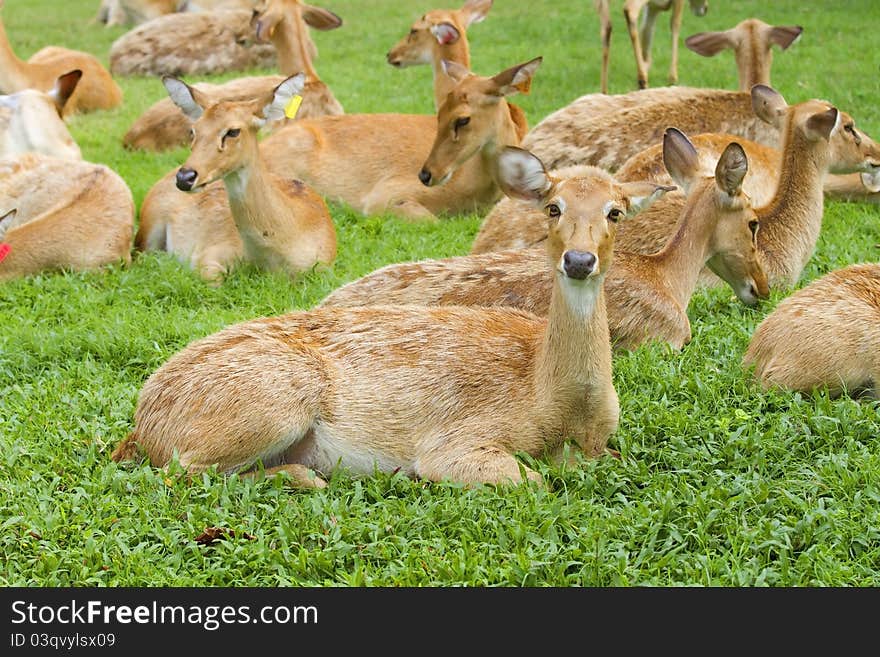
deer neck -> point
(505, 135)
(754, 65)
(291, 39)
(575, 352)
(253, 198)
(458, 52)
(13, 71)
(686, 252)
(790, 223)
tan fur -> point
(646, 295)
(70, 215)
(282, 223)
(190, 44)
(642, 39)
(163, 126)
(95, 91)
(135, 12)
(790, 222)
(437, 393)
(752, 42)
(441, 34)
(824, 336)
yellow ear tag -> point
(293, 106)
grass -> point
(720, 483)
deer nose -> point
(578, 264)
(186, 178)
(392, 59)
(425, 177)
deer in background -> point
(62, 214)
(436, 393)
(824, 336)
(95, 91)
(646, 295)
(283, 225)
(128, 12)
(642, 38)
(30, 121)
(285, 23)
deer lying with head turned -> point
(95, 91)
(62, 214)
(646, 295)
(281, 222)
(642, 38)
(437, 393)
(191, 43)
(441, 35)
(30, 121)
(817, 138)
(286, 24)
(824, 336)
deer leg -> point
(300, 475)
(605, 36)
(395, 199)
(675, 27)
(631, 11)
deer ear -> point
(768, 104)
(731, 170)
(184, 96)
(871, 181)
(708, 44)
(475, 11)
(784, 36)
(445, 33)
(822, 125)
(454, 70)
(522, 175)
(680, 158)
(283, 94)
(319, 18)
(64, 87)
(642, 194)
(517, 78)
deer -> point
(134, 12)
(438, 394)
(824, 337)
(31, 121)
(96, 90)
(191, 43)
(282, 224)
(285, 22)
(642, 38)
(646, 295)
(62, 214)
(441, 35)
(817, 138)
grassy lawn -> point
(719, 483)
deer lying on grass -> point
(191, 44)
(128, 12)
(816, 138)
(646, 295)
(642, 39)
(285, 23)
(437, 393)
(824, 336)
(375, 162)
(282, 223)
(62, 214)
(95, 91)
(30, 121)
(441, 35)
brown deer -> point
(128, 12)
(436, 393)
(825, 336)
(62, 214)
(642, 38)
(285, 23)
(281, 222)
(30, 121)
(817, 137)
(441, 35)
(646, 295)
(96, 90)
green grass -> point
(719, 484)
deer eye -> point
(192, 134)
(461, 122)
(753, 226)
(232, 132)
(553, 210)
(615, 215)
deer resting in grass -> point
(824, 336)
(283, 225)
(437, 393)
(286, 24)
(646, 295)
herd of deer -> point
(601, 223)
